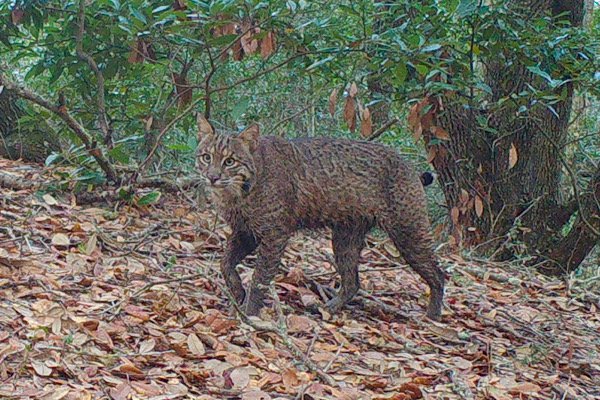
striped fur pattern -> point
(267, 188)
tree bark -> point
(502, 181)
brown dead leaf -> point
(431, 153)
(195, 345)
(513, 156)
(16, 15)
(131, 370)
(147, 346)
(240, 378)
(60, 239)
(333, 101)
(290, 378)
(267, 45)
(256, 395)
(525, 387)
(353, 90)
(454, 213)
(478, 206)
(137, 312)
(366, 124)
(440, 133)
(41, 369)
(350, 113)
(299, 323)
(51, 201)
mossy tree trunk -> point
(502, 180)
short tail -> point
(427, 178)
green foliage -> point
(408, 47)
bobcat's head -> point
(226, 162)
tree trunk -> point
(502, 181)
(25, 142)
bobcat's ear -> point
(250, 136)
(204, 127)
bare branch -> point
(384, 128)
(71, 122)
(102, 117)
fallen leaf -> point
(51, 201)
(195, 345)
(41, 369)
(60, 239)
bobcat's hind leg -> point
(415, 244)
(348, 241)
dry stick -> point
(102, 117)
(148, 286)
(381, 130)
(75, 126)
(264, 326)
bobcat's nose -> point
(213, 178)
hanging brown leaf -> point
(413, 116)
(16, 16)
(179, 5)
(350, 113)
(431, 153)
(148, 123)
(248, 40)
(513, 156)
(417, 132)
(454, 213)
(440, 133)
(267, 45)
(353, 90)
(478, 206)
(237, 51)
(332, 101)
(142, 51)
(183, 89)
(366, 124)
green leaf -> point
(148, 199)
(52, 158)
(179, 147)
(319, 63)
(119, 154)
(160, 9)
(240, 108)
(431, 47)
(466, 7)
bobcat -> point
(266, 188)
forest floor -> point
(107, 301)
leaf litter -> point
(126, 303)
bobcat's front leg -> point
(239, 245)
(268, 257)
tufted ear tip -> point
(204, 127)
(250, 135)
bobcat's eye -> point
(205, 158)
(229, 162)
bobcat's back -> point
(326, 181)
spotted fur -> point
(274, 187)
